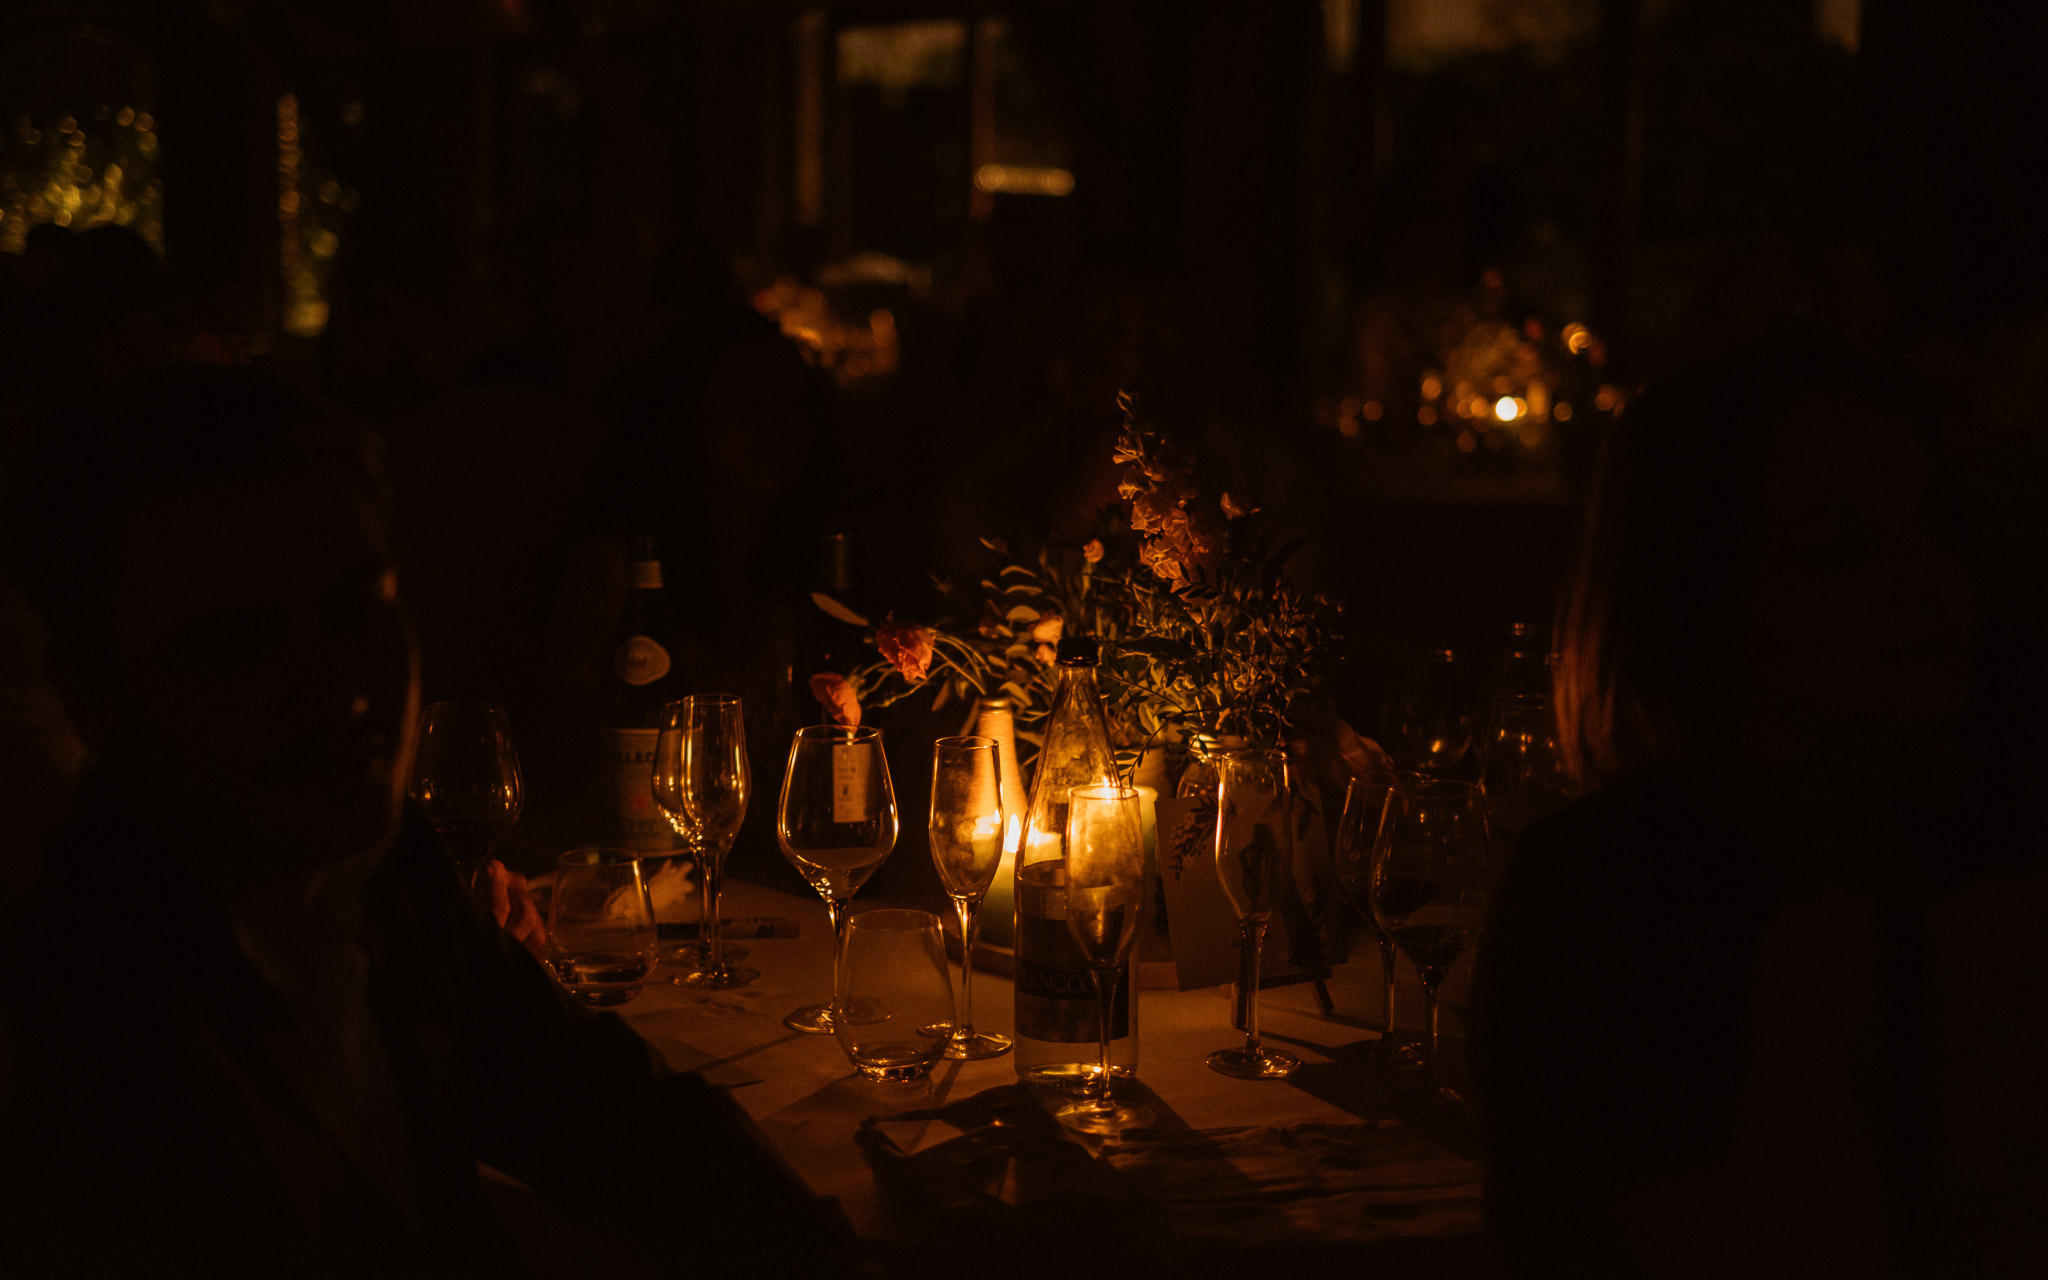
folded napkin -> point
(1339, 1183)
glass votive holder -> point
(601, 937)
(893, 1010)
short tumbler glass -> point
(601, 939)
(893, 1012)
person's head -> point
(1765, 555)
(205, 548)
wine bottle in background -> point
(828, 639)
(1057, 1011)
(639, 681)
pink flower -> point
(1158, 557)
(1092, 551)
(1045, 654)
(906, 646)
(835, 694)
(1048, 628)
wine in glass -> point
(465, 778)
(1431, 873)
(1255, 862)
(1105, 875)
(1428, 719)
(836, 824)
(701, 781)
(967, 846)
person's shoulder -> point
(1629, 820)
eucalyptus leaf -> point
(838, 610)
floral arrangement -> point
(1201, 632)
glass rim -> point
(598, 855)
(1249, 753)
(844, 733)
(964, 742)
(701, 700)
(901, 919)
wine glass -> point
(601, 939)
(1428, 719)
(465, 778)
(836, 824)
(967, 846)
(895, 999)
(1431, 875)
(1105, 875)
(1365, 803)
(1521, 767)
(701, 781)
(1254, 860)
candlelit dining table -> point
(1345, 1159)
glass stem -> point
(1429, 993)
(712, 862)
(701, 849)
(1105, 996)
(836, 910)
(970, 921)
(1387, 973)
(1250, 942)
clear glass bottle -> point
(1057, 1018)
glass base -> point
(1105, 1119)
(732, 975)
(1076, 1078)
(1260, 1064)
(977, 1045)
(695, 957)
(607, 997)
(812, 1020)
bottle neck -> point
(644, 575)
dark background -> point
(756, 268)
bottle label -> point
(849, 784)
(1056, 997)
(640, 661)
(631, 819)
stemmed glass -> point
(1255, 861)
(1428, 720)
(1365, 802)
(1431, 874)
(967, 847)
(836, 824)
(465, 778)
(701, 781)
(1105, 873)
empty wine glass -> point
(1431, 873)
(836, 824)
(893, 1005)
(1427, 725)
(1105, 875)
(701, 781)
(967, 846)
(1255, 862)
(1365, 802)
(601, 939)
(465, 778)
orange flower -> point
(1048, 628)
(835, 694)
(1092, 551)
(906, 646)
(1158, 557)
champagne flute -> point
(967, 846)
(836, 824)
(1428, 719)
(1431, 874)
(1254, 860)
(465, 778)
(701, 781)
(1105, 876)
